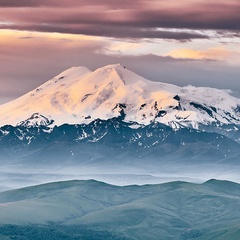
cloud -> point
(221, 54)
(123, 19)
(217, 53)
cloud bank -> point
(123, 19)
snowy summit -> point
(79, 95)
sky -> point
(187, 42)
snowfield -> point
(78, 96)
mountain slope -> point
(79, 96)
(113, 142)
(176, 210)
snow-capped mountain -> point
(113, 120)
(79, 96)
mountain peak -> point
(79, 95)
(118, 72)
(80, 70)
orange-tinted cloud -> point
(212, 54)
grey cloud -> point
(134, 19)
(111, 31)
(72, 3)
